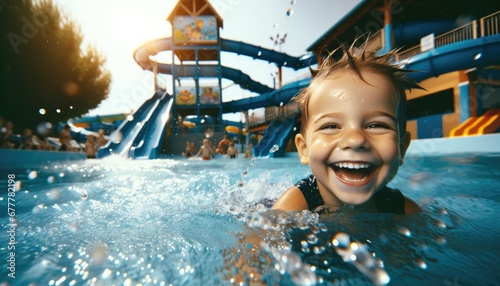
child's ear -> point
(404, 144)
(300, 143)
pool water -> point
(180, 222)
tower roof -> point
(194, 8)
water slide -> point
(149, 140)
(485, 124)
(123, 138)
(276, 136)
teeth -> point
(352, 165)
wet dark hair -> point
(357, 60)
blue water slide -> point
(475, 53)
(143, 53)
(149, 140)
(277, 97)
(130, 128)
(276, 136)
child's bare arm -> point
(199, 152)
(291, 200)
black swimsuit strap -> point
(387, 200)
(310, 191)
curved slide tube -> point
(463, 55)
(147, 143)
(141, 54)
(130, 128)
(235, 75)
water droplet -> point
(289, 12)
(84, 195)
(318, 249)
(54, 194)
(42, 111)
(341, 240)
(440, 224)
(17, 187)
(440, 240)
(32, 175)
(312, 239)
(98, 254)
(51, 179)
(404, 231)
(274, 148)
(130, 117)
(241, 184)
(420, 263)
(116, 137)
(442, 211)
(245, 173)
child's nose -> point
(354, 139)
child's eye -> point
(330, 126)
(378, 125)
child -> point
(353, 136)
(205, 150)
(187, 154)
(90, 147)
(232, 152)
(248, 151)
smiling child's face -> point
(351, 139)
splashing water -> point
(275, 148)
(358, 254)
(123, 222)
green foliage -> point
(43, 65)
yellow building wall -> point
(435, 84)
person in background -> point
(65, 138)
(7, 136)
(101, 139)
(27, 139)
(248, 151)
(90, 147)
(232, 152)
(188, 152)
(205, 150)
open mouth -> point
(352, 173)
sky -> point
(117, 27)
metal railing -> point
(488, 26)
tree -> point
(45, 75)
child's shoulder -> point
(291, 200)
